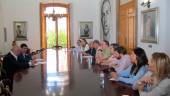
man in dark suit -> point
(11, 63)
(92, 51)
(24, 57)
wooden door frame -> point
(43, 22)
(43, 31)
(117, 21)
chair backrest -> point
(1, 68)
(4, 82)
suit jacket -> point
(11, 65)
(92, 52)
(24, 59)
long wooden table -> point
(81, 79)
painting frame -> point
(20, 30)
(150, 25)
(86, 29)
(106, 18)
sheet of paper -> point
(87, 56)
(39, 60)
(113, 79)
(39, 63)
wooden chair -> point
(4, 82)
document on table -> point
(40, 63)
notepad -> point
(113, 79)
(39, 60)
(87, 56)
(40, 63)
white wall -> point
(28, 10)
(1, 31)
(82, 10)
(89, 10)
(113, 22)
(21, 10)
(168, 28)
(86, 10)
(161, 46)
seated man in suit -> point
(24, 57)
(11, 63)
(92, 50)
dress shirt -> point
(123, 63)
(126, 77)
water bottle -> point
(81, 57)
(90, 61)
(102, 79)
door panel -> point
(122, 30)
(62, 31)
(127, 25)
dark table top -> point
(80, 79)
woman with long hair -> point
(84, 45)
(136, 70)
(157, 84)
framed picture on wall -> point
(86, 29)
(150, 25)
(20, 30)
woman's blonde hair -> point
(162, 62)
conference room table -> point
(79, 78)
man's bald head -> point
(16, 50)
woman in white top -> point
(158, 84)
(84, 45)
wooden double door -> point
(127, 24)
